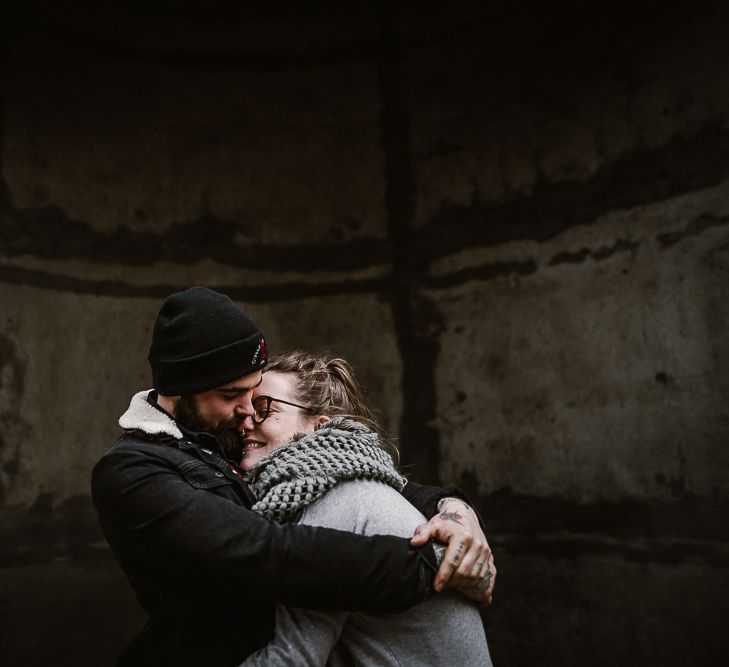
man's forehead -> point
(244, 383)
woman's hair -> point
(327, 386)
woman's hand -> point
(468, 564)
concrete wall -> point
(514, 220)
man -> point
(176, 510)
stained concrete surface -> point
(513, 219)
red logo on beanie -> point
(260, 355)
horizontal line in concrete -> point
(50, 233)
(640, 177)
(93, 33)
(685, 518)
(684, 165)
(563, 545)
(262, 293)
(573, 546)
(650, 530)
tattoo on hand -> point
(484, 583)
(452, 516)
(450, 502)
(457, 558)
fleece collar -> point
(146, 417)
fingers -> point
(490, 589)
(479, 568)
(453, 558)
(468, 563)
(423, 533)
(466, 548)
(471, 565)
(474, 575)
(483, 592)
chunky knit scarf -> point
(296, 474)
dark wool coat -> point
(208, 571)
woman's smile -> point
(283, 419)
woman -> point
(314, 456)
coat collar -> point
(143, 415)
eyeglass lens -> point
(261, 407)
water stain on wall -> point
(12, 428)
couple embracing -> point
(257, 511)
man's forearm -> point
(166, 524)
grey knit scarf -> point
(296, 474)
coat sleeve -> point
(426, 498)
(152, 516)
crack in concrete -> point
(599, 254)
(482, 273)
(694, 228)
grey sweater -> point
(445, 630)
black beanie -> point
(203, 340)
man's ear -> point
(320, 421)
(168, 403)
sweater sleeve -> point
(305, 636)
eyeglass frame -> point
(269, 400)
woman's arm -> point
(305, 636)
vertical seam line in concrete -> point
(4, 57)
(419, 440)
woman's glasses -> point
(262, 407)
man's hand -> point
(468, 564)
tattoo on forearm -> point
(452, 516)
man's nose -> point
(244, 404)
(246, 418)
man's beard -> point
(187, 414)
